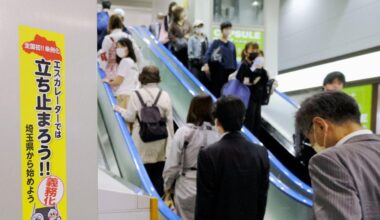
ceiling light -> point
(255, 3)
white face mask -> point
(318, 148)
(259, 62)
(199, 30)
(120, 52)
(227, 33)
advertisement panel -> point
(363, 96)
(43, 117)
(240, 36)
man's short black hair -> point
(336, 107)
(225, 24)
(230, 112)
(106, 4)
(333, 76)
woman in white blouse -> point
(126, 80)
(153, 153)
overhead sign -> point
(43, 127)
(240, 36)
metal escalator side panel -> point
(130, 164)
(169, 68)
(106, 153)
(197, 86)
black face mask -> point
(252, 56)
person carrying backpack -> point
(107, 55)
(181, 166)
(150, 111)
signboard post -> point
(43, 128)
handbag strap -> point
(185, 145)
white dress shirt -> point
(351, 135)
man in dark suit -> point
(345, 171)
(233, 174)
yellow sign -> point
(43, 124)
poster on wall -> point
(240, 36)
(363, 96)
(43, 133)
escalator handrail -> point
(280, 185)
(275, 161)
(248, 134)
(177, 62)
(288, 99)
(143, 175)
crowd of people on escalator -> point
(184, 166)
(207, 169)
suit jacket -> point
(346, 180)
(232, 180)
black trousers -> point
(195, 66)
(182, 56)
(154, 171)
(219, 77)
(253, 117)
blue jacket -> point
(226, 54)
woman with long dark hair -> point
(164, 30)
(179, 33)
(126, 80)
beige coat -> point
(155, 151)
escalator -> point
(117, 153)
(278, 121)
(288, 197)
(120, 156)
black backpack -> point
(152, 124)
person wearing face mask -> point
(345, 171)
(197, 47)
(126, 80)
(220, 59)
(252, 74)
(179, 33)
(107, 54)
(104, 32)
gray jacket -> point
(186, 157)
(194, 47)
(346, 180)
